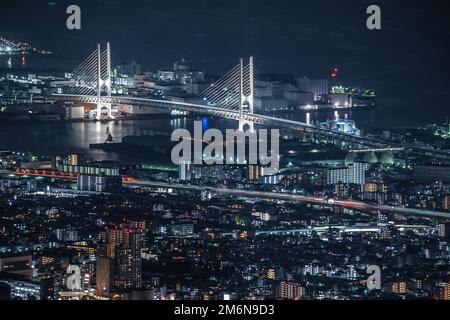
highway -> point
(356, 205)
(350, 204)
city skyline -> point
(227, 156)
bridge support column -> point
(247, 102)
(107, 83)
(99, 82)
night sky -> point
(407, 62)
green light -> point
(158, 167)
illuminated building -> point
(290, 290)
(75, 160)
(99, 183)
(114, 238)
(94, 169)
(46, 261)
(66, 235)
(376, 192)
(25, 289)
(442, 292)
(19, 265)
(338, 176)
(139, 225)
(254, 172)
(185, 171)
(399, 287)
(341, 190)
(342, 125)
(119, 265)
(353, 174)
(185, 229)
(271, 274)
(444, 230)
(82, 248)
(128, 262)
(446, 203)
(104, 276)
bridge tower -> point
(247, 101)
(101, 83)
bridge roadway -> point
(256, 118)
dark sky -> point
(407, 62)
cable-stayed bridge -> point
(233, 96)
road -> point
(357, 205)
(351, 204)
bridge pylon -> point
(104, 83)
(247, 100)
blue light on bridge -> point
(205, 124)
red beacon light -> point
(335, 72)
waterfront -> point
(56, 138)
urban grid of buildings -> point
(156, 231)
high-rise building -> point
(399, 287)
(75, 160)
(254, 172)
(444, 230)
(341, 190)
(185, 229)
(376, 192)
(139, 225)
(354, 174)
(114, 239)
(443, 291)
(104, 276)
(338, 176)
(99, 183)
(357, 172)
(119, 265)
(271, 274)
(128, 262)
(446, 202)
(185, 171)
(290, 290)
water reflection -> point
(56, 138)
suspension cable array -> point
(93, 77)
